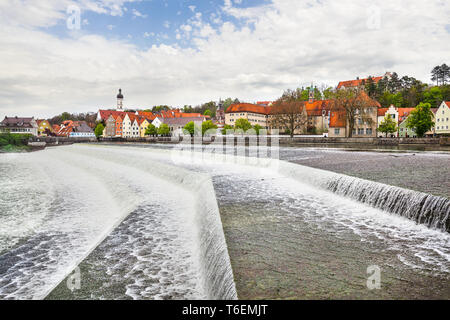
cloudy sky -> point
(73, 55)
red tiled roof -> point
(148, 115)
(192, 115)
(382, 111)
(248, 107)
(356, 83)
(403, 113)
(315, 108)
(104, 114)
(338, 119)
(447, 103)
(264, 103)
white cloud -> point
(136, 13)
(275, 47)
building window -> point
(337, 131)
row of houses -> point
(320, 115)
(134, 125)
(43, 128)
(324, 119)
(123, 124)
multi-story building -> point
(143, 124)
(81, 130)
(404, 131)
(360, 82)
(110, 127)
(19, 125)
(176, 125)
(255, 114)
(319, 114)
(397, 114)
(442, 118)
(365, 124)
(118, 125)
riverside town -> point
(225, 158)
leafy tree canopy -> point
(243, 124)
(99, 130)
(151, 130)
(208, 125)
(388, 125)
(421, 119)
(163, 129)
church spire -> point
(311, 94)
(120, 101)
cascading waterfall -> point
(218, 279)
(423, 208)
(432, 211)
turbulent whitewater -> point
(144, 224)
(161, 224)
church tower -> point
(120, 101)
(311, 94)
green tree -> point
(99, 130)
(207, 113)
(226, 128)
(163, 129)
(327, 93)
(433, 96)
(228, 102)
(190, 128)
(421, 119)
(388, 125)
(151, 130)
(257, 128)
(207, 125)
(371, 87)
(243, 124)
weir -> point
(430, 210)
(423, 208)
(215, 265)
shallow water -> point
(88, 198)
(286, 238)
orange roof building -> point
(357, 82)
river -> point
(140, 226)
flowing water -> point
(58, 205)
(291, 231)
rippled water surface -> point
(286, 238)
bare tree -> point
(289, 112)
(356, 105)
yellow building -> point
(255, 114)
(442, 118)
(43, 126)
(142, 127)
